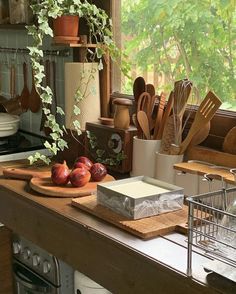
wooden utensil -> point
(201, 135)
(172, 124)
(40, 181)
(34, 98)
(13, 81)
(139, 87)
(205, 112)
(159, 116)
(24, 96)
(150, 89)
(143, 104)
(229, 144)
(182, 90)
(160, 128)
(144, 124)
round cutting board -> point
(44, 185)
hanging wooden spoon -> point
(24, 96)
(12, 81)
(34, 98)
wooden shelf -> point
(76, 45)
(13, 26)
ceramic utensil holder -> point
(143, 161)
(164, 170)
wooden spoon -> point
(24, 96)
(144, 124)
(34, 98)
(138, 88)
(202, 134)
(229, 144)
(150, 89)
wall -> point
(19, 39)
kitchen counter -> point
(117, 260)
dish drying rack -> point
(212, 227)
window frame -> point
(221, 123)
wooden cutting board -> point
(40, 181)
(145, 228)
(25, 173)
(45, 186)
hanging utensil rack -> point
(59, 53)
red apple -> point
(85, 160)
(79, 177)
(60, 173)
(98, 172)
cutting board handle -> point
(22, 174)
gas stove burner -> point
(21, 145)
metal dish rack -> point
(212, 226)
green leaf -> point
(76, 110)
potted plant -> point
(100, 30)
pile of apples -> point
(82, 172)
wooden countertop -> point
(117, 260)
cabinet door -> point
(5, 261)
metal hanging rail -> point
(61, 53)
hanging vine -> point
(100, 30)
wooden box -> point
(110, 146)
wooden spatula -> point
(205, 112)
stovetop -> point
(21, 145)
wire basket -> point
(212, 226)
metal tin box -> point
(140, 197)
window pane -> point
(168, 40)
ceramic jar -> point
(121, 116)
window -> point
(168, 40)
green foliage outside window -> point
(184, 38)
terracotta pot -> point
(66, 25)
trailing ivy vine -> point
(100, 28)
